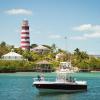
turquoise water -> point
(18, 86)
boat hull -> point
(62, 87)
(58, 91)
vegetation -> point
(79, 58)
(13, 66)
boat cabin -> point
(65, 66)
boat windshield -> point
(65, 77)
(64, 72)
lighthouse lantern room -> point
(25, 38)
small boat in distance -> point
(63, 82)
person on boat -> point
(42, 77)
(70, 79)
(39, 78)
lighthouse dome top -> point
(25, 22)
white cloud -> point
(55, 36)
(87, 27)
(93, 35)
(83, 27)
(78, 38)
(18, 12)
(86, 36)
(91, 31)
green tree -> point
(53, 48)
(33, 45)
(3, 49)
(27, 54)
(47, 46)
(19, 50)
(3, 44)
(80, 58)
(80, 55)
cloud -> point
(55, 36)
(87, 27)
(78, 38)
(91, 31)
(93, 35)
(18, 12)
(86, 36)
(83, 27)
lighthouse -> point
(25, 37)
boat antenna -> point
(66, 47)
(65, 42)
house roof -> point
(60, 54)
(43, 62)
(40, 47)
(12, 54)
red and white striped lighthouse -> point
(25, 38)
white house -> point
(40, 49)
(12, 56)
(60, 56)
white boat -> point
(63, 82)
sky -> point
(51, 21)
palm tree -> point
(53, 48)
(33, 45)
(3, 44)
(77, 51)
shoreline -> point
(95, 71)
(45, 72)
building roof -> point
(40, 47)
(12, 54)
(43, 62)
(60, 54)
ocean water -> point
(18, 86)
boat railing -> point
(53, 79)
(44, 79)
(81, 82)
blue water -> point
(18, 86)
